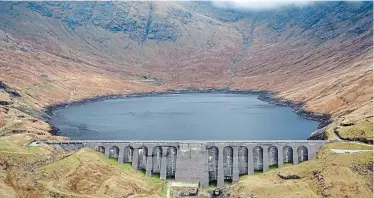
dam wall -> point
(201, 161)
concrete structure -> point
(201, 161)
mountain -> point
(319, 54)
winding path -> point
(348, 151)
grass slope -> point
(46, 172)
(87, 172)
(360, 132)
(328, 174)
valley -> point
(319, 55)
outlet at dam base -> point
(204, 162)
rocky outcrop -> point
(9, 90)
(116, 17)
(6, 94)
(318, 134)
(321, 181)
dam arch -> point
(156, 159)
(287, 154)
(128, 154)
(228, 155)
(258, 158)
(243, 160)
(272, 156)
(142, 157)
(302, 153)
(213, 163)
(100, 149)
(114, 152)
(171, 164)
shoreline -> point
(266, 96)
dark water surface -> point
(202, 116)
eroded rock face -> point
(136, 19)
(143, 20)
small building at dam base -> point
(201, 161)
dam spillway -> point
(201, 161)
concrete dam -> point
(201, 161)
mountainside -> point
(320, 54)
(52, 52)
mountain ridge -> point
(320, 54)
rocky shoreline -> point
(298, 107)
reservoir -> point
(195, 116)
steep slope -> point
(52, 52)
(44, 171)
(327, 175)
(325, 62)
(55, 52)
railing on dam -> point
(201, 161)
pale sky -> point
(265, 4)
(258, 4)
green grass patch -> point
(244, 176)
(114, 161)
(16, 147)
(362, 130)
(212, 184)
(156, 175)
(273, 167)
(349, 146)
(164, 191)
(330, 134)
(287, 163)
(71, 161)
(258, 172)
(154, 180)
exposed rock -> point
(3, 164)
(346, 123)
(318, 134)
(5, 98)
(4, 102)
(116, 17)
(288, 176)
(9, 90)
(321, 181)
(362, 169)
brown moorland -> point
(53, 52)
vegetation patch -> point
(87, 172)
(359, 132)
(328, 174)
(43, 171)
